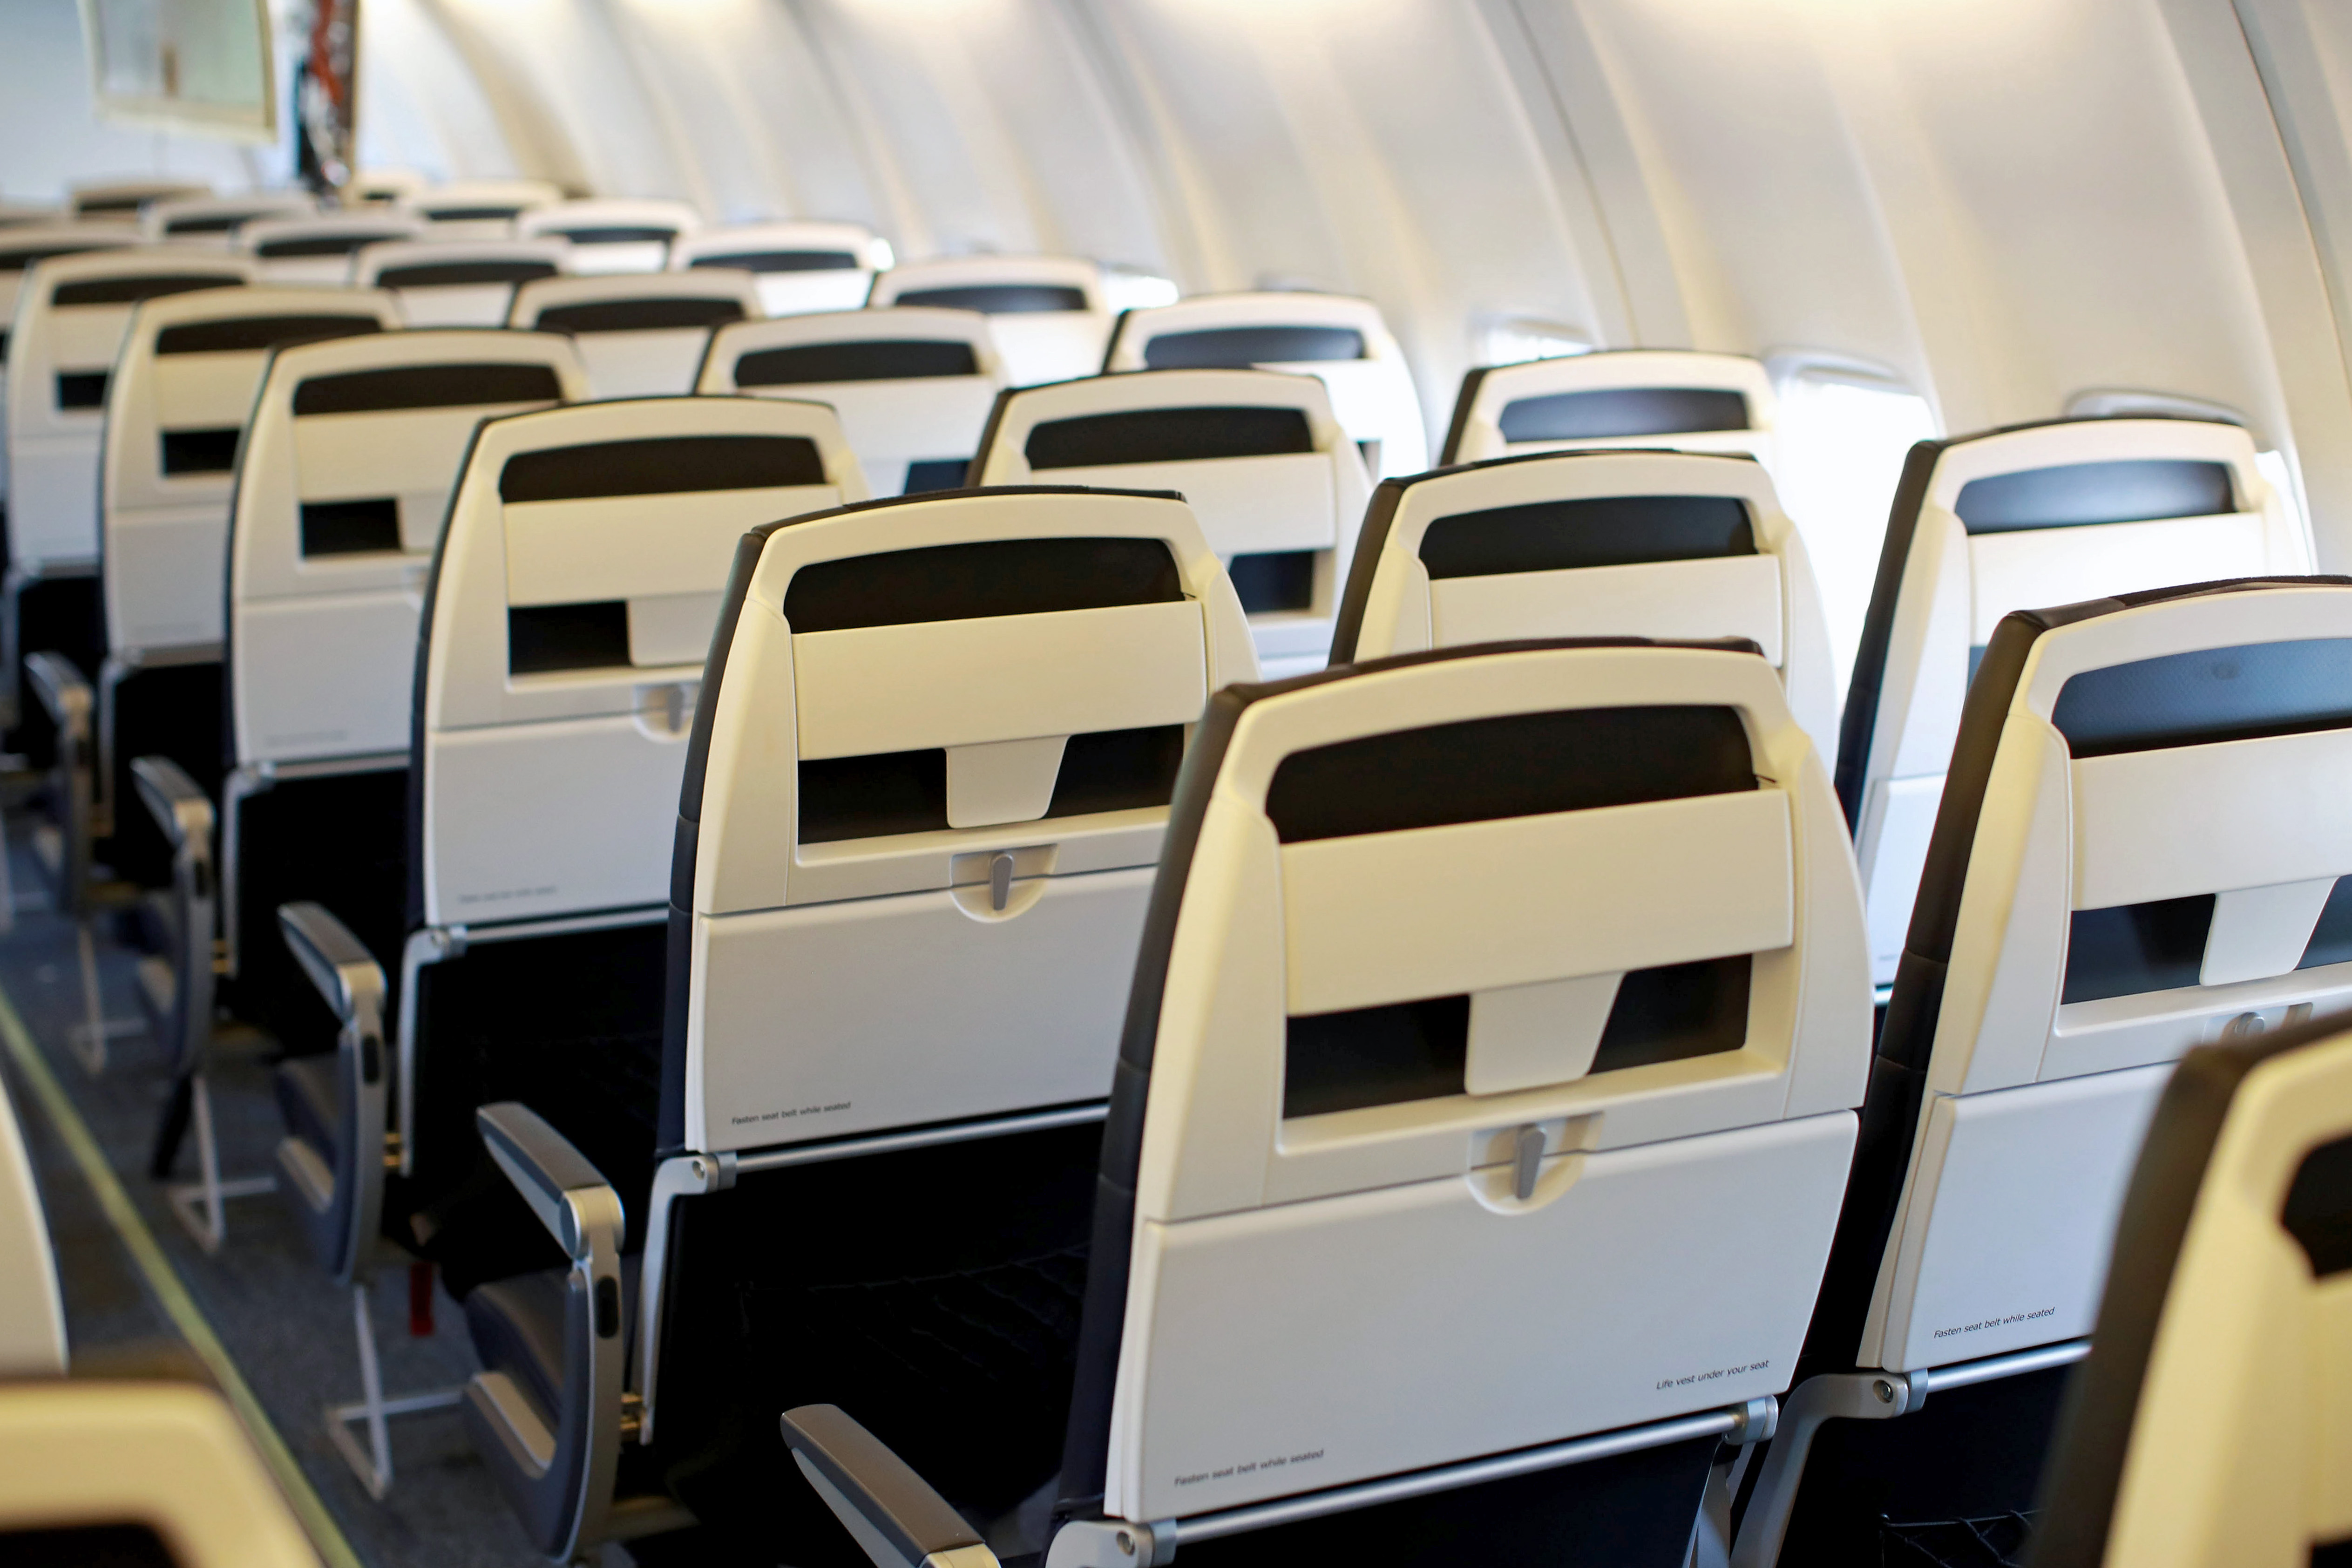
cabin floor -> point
(258, 1320)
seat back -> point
(344, 482)
(913, 385)
(124, 198)
(1657, 544)
(149, 1473)
(800, 265)
(1048, 312)
(32, 1311)
(2141, 848)
(442, 283)
(1537, 963)
(1339, 340)
(2209, 1426)
(218, 221)
(21, 247)
(176, 406)
(1278, 486)
(382, 187)
(72, 315)
(609, 235)
(637, 336)
(478, 209)
(569, 615)
(1984, 525)
(317, 251)
(1630, 397)
(933, 764)
(934, 774)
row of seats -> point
(2195, 1437)
(172, 621)
(1545, 531)
(1513, 1070)
(885, 796)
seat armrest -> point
(182, 810)
(63, 690)
(561, 1482)
(352, 982)
(892, 1511)
(569, 1195)
(345, 972)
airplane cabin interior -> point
(1088, 784)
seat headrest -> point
(217, 219)
(447, 264)
(955, 629)
(780, 248)
(1235, 331)
(590, 543)
(310, 239)
(611, 220)
(1634, 394)
(1155, 417)
(1507, 882)
(888, 342)
(636, 302)
(1006, 285)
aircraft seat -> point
(1984, 525)
(444, 282)
(355, 447)
(21, 247)
(1277, 484)
(566, 625)
(72, 313)
(124, 198)
(800, 265)
(612, 235)
(1626, 543)
(382, 187)
(32, 1310)
(638, 336)
(137, 1475)
(901, 933)
(1624, 397)
(913, 384)
(478, 209)
(2209, 1427)
(2140, 848)
(218, 221)
(1342, 341)
(566, 622)
(1423, 1130)
(317, 251)
(1048, 312)
(177, 404)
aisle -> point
(285, 1328)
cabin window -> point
(1843, 439)
(1515, 339)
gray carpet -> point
(287, 1326)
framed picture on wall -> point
(202, 68)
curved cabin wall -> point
(2004, 205)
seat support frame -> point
(1865, 1395)
(341, 1207)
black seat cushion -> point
(946, 1278)
(517, 1326)
(1954, 1482)
(307, 1095)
